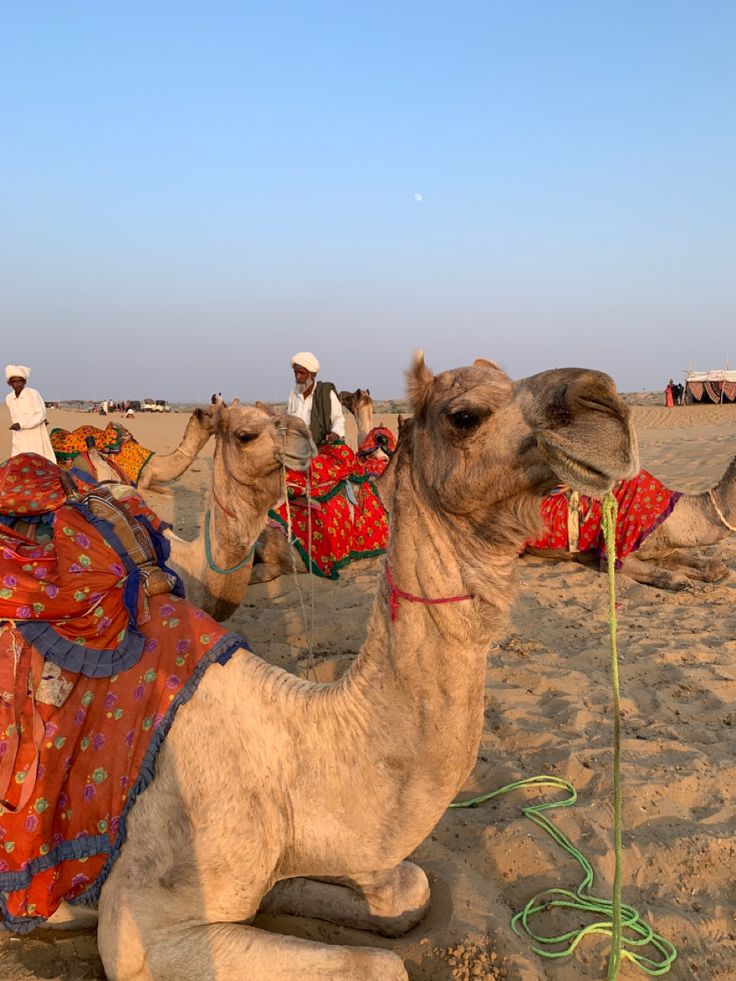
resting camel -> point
(664, 558)
(252, 447)
(360, 404)
(275, 793)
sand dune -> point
(549, 712)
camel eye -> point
(466, 420)
(244, 438)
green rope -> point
(208, 551)
(608, 522)
(616, 916)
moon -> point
(418, 198)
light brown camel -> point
(697, 520)
(252, 447)
(665, 559)
(360, 404)
(272, 792)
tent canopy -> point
(718, 375)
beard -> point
(301, 387)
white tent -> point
(710, 386)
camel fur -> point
(275, 793)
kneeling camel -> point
(275, 793)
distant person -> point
(27, 415)
(316, 403)
(668, 396)
(677, 393)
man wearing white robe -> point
(27, 415)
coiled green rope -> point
(617, 916)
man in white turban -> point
(27, 415)
(316, 403)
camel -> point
(252, 447)
(665, 558)
(360, 404)
(274, 793)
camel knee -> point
(399, 901)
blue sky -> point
(190, 193)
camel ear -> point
(367, 391)
(485, 363)
(265, 408)
(418, 381)
(206, 418)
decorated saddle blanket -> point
(96, 656)
(643, 504)
(122, 450)
(345, 519)
(378, 439)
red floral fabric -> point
(71, 745)
(59, 844)
(338, 529)
(379, 438)
(643, 504)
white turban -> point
(16, 371)
(306, 360)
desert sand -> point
(548, 712)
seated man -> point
(316, 403)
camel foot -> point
(133, 951)
(389, 903)
(72, 918)
(263, 572)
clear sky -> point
(192, 192)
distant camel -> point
(663, 557)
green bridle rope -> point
(208, 551)
(616, 916)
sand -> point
(548, 712)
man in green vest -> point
(315, 402)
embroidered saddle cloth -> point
(643, 504)
(346, 520)
(96, 656)
(123, 451)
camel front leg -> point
(389, 903)
(650, 574)
(132, 951)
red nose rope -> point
(395, 594)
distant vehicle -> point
(162, 405)
(136, 406)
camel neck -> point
(414, 699)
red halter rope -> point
(395, 594)
(218, 501)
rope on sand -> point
(617, 916)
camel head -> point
(253, 443)
(481, 444)
(354, 401)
